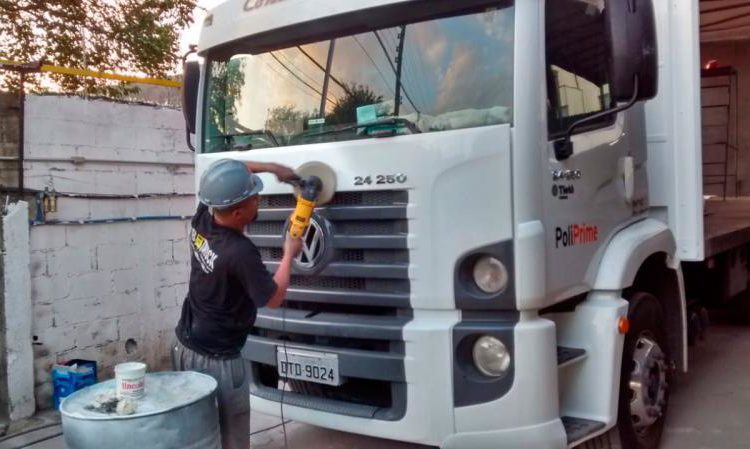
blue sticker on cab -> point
(366, 114)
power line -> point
(333, 78)
(387, 39)
(393, 35)
(300, 79)
(380, 41)
(423, 67)
(420, 76)
(385, 81)
(413, 80)
(411, 71)
(292, 68)
(400, 70)
(296, 85)
(300, 88)
(408, 76)
(297, 69)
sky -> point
(190, 35)
(450, 65)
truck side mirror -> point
(634, 68)
(191, 78)
(631, 26)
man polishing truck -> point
(517, 193)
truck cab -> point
(516, 187)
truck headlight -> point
(490, 275)
(491, 357)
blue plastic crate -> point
(66, 382)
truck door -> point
(591, 194)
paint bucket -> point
(130, 379)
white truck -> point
(518, 191)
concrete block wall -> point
(107, 292)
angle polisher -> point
(315, 186)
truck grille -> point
(356, 307)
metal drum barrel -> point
(179, 411)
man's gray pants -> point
(233, 392)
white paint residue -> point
(164, 392)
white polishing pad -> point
(326, 175)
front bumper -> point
(549, 435)
(525, 416)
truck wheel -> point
(644, 387)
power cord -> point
(285, 379)
(270, 428)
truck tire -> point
(644, 379)
(740, 308)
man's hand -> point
(284, 173)
(292, 246)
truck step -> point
(578, 428)
(567, 356)
(602, 441)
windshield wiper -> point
(251, 133)
(384, 121)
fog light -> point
(491, 357)
(490, 275)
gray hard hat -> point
(227, 182)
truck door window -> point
(577, 63)
(418, 77)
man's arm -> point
(282, 172)
(292, 247)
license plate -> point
(311, 366)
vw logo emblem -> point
(315, 246)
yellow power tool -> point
(315, 186)
(309, 189)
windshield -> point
(430, 76)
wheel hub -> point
(648, 383)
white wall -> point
(96, 286)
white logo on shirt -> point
(202, 251)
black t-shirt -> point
(228, 283)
